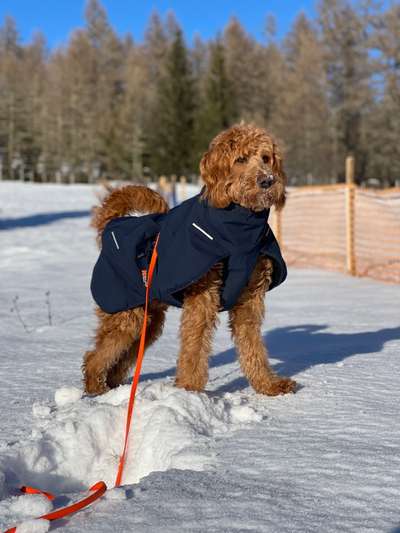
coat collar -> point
(240, 228)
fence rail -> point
(342, 227)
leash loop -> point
(99, 489)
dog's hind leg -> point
(245, 321)
(199, 318)
(155, 323)
(115, 336)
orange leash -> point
(31, 490)
(138, 366)
(100, 487)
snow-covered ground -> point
(228, 460)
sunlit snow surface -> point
(228, 460)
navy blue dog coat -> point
(193, 237)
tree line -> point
(104, 105)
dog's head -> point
(243, 165)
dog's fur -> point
(233, 169)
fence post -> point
(162, 185)
(350, 195)
(183, 186)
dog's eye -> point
(242, 159)
(266, 159)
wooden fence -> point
(342, 227)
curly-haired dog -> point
(216, 252)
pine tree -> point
(216, 110)
(271, 82)
(348, 67)
(245, 69)
(21, 79)
(91, 74)
(171, 138)
(98, 28)
(199, 59)
(303, 117)
(155, 48)
(35, 73)
(9, 38)
(10, 52)
(383, 131)
(132, 113)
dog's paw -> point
(276, 386)
(192, 387)
(95, 385)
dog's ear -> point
(215, 170)
(277, 168)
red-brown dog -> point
(243, 165)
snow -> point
(226, 460)
(66, 395)
(79, 443)
(34, 526)
(31, 504)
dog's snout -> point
(265, 182)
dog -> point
(205, 270)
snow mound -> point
(40, 410)
(78, 441)
(34, 526)
(31, 505)
(67, 395)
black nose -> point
(266, 181)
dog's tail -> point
(131, 200)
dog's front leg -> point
(198, 322)
(245, 321)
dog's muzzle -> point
(266, 181)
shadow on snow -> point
(39, 219)
(301, 347)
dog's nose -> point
(266, 181)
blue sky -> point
(57, 18)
